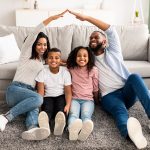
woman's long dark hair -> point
(34, 54)
(71, 61)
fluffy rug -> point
(104, 136)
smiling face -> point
(82, 57)
(54, 59)
(97, 41)
(41, 46)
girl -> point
(20, 94)
(84, 89)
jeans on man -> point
(119, 101)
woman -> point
(21, 95)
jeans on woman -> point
(80, 109)
(23, 99)
(119, 101)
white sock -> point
(3, 122)
(135, 133)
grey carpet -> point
(105, 135)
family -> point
(67, 94)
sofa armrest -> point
(148, 48)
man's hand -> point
(100, 24)
(78, 15)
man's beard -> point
(97, 48)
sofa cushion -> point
(134, 40)
(19, 35)
(140, 67)
(7, 71)
(9, 51)
(61, 37)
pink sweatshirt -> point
(84, 83)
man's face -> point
(96, 41)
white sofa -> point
(134, 41)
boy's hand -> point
(66, 109)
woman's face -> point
(82, 57)
(41, 46)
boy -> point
(54, 84)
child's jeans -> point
(81, 109)
(52, 105)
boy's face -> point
(54, 59)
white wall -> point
(121, 8)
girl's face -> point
(54, 59)
(41, 46)
(82, 57)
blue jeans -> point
(119, 101)
(80, 109)
(23, 99)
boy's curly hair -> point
(71, 61)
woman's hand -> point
(54, 17)
(58, 15)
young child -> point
(84, 90)
(54, 83)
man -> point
(119, 88)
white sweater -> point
(28, 68)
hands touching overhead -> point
(78, 15)
(57, 16)
(100, 24)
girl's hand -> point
(78, 15)
(66, 109)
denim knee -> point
(38, 100)
(134, 77)
(85, 116)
